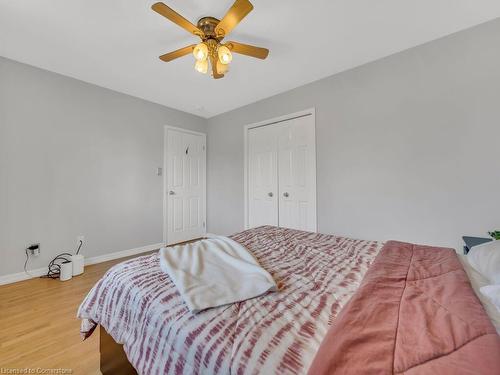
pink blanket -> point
(415, 313)
(278, 333)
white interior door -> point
(297, 174)
(262, 176)
(185, 163)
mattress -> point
(278, 333)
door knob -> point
(270, 194)
(171, 192)
(286, 195)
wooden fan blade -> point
(233, 17)
(176, 18)
(213, 62)
(247, 49)
(177, 53)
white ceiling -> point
(116, 43)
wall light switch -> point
(159, 171)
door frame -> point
(275, 120)
(165, 175)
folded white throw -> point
(214, 272)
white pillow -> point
(485, 259)
(493, 293)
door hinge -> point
(203, 224)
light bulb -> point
(201, 66)
(224, 53)
(222, 68)
(200, 52)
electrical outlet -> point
(34, 249)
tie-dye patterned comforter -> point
(278, 333)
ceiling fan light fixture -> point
(225, 56)
(210, 53)
(222, 68)
(200, 52)
(201, 66)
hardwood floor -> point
(38, 325)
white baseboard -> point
(20, 276)
(122, 254)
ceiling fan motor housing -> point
(207, 25)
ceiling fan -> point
(211, 31)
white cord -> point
(26, 264)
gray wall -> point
(407, 146)
(77, 159)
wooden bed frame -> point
(113, 358)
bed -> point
(137, 304)
(284, 332)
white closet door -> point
(297, 174)
(262, 176)
(185, 163)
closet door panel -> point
(262, 176)
(297, 174)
